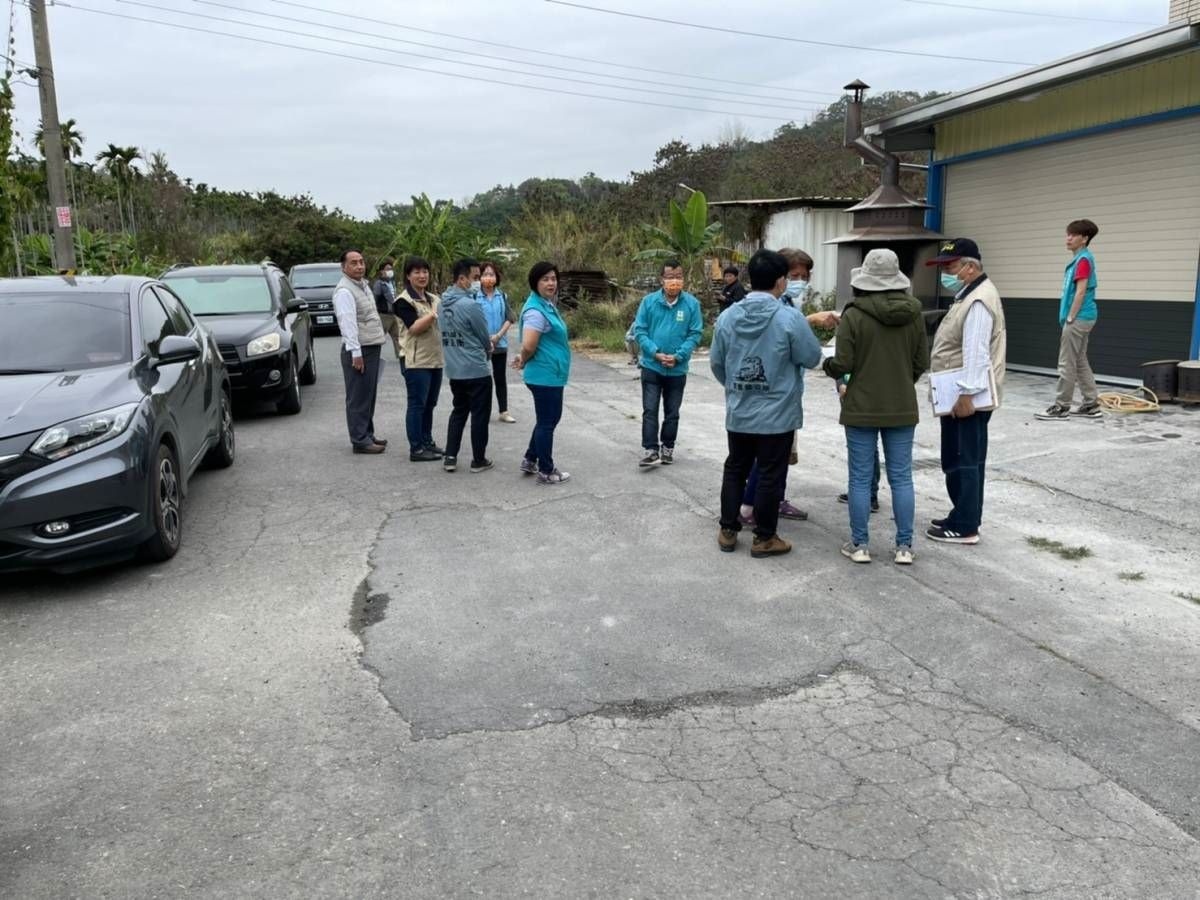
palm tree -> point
(118, 163)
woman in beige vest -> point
(421, 340)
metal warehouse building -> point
(1113, 135)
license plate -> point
(324, 320)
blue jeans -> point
(423, 386)
(897, 454)
(752, 485)
(547, 410)
(964, 458)
(668, 388)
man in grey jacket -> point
(759, 351)
(467, 346)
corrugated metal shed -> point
(810, 230)
(805, 223)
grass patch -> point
(1184, 595)
(1132, 576)
(1058, 547)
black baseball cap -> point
(954, 249)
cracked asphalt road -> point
(367, 678)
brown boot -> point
(772, 546)
(727, 540)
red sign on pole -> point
(64, 216)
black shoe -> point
(650, 459)
(1088, 411)
(481, 465)
(434, 448)
(371, 448)
(1053, 412)
(382, 442)
(939, 523)
(424, 455)
(845, 498)
(946, 536)
(449, 463)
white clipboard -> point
(944, 391)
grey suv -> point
(111, 396)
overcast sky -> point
(354, 132)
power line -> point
(393, 65)
(571, 57)
(779, 37)
(791, 104)
(1086, 17)
(408, 54)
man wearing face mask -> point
(971, 337)
(384, 290)
(667, 328)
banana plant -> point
(690, 238)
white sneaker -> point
(505, 417)
(904, 556)
(856, 552)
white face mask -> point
(796, 288)
(474, 287)
(389, 274)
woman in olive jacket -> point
(881, 345)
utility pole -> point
(56, 176)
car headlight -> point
(268, 343)
(70, 437)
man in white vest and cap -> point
(972, 338)
(362, 340)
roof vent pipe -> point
(889, 164)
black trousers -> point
(361, 390)
(470, 397)
(771, 452)
(964, 460)
(500, 379)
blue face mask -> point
(952, 283)
(796, 288)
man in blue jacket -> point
(760, 350)
(667, 328)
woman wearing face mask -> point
(385, 298)
(545, 360)
(499, 318)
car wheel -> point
(308, 375)
(220, 456)
(289, 404)
(166, 507)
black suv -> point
(314, 282)
(261, 326)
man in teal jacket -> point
(760, 350)
(667, 328)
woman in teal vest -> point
(545, 360)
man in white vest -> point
(972, 338)
(362, 340)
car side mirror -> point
(175, 348)
(297, 305)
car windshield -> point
(316, 277)
(63, 332)
(222, 294)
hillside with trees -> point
(136, 214)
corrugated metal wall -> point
(1140, 185)
(808, 229)
(1154, 87)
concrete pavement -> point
(365, 677)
